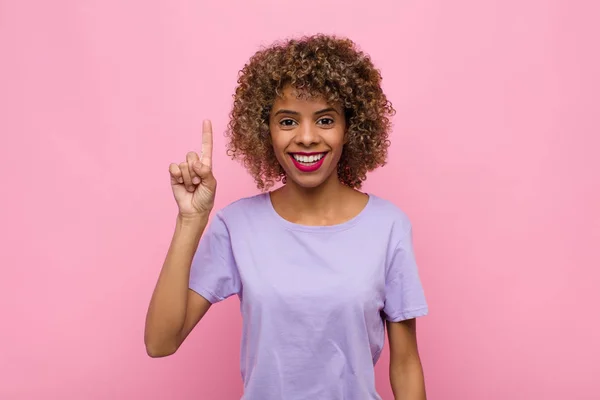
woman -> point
(319, 266)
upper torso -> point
(311, 297)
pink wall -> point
(495, 158)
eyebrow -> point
(291, 112)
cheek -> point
(277, 143)
(338, 148)
(278, 146)
(339, 140)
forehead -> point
(293, 98)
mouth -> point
(308, 162)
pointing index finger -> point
(207, 143)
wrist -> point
(193, 220)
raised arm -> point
(174, 309)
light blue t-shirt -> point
(313, 298)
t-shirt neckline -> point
(317, 228)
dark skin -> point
(315, 198)
(321, 199)
(308, 198)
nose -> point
(307, 135)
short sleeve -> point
(214, 274)
(404, 295)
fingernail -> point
(180, 180)
(196, 180)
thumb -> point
(203, 170)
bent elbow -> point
(159, 352)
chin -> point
(312, 181)
(306, 183)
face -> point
(308, 137)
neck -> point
(321, 199)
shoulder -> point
(387, 209)
(391, 214)
(243, 208)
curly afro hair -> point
(323, 66)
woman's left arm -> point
(406, 371)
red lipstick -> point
(308, 162)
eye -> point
(287, 122)
(325, 121)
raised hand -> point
(192, 181)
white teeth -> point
(308, 159)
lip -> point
(308, 168)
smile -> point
(308, 162)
